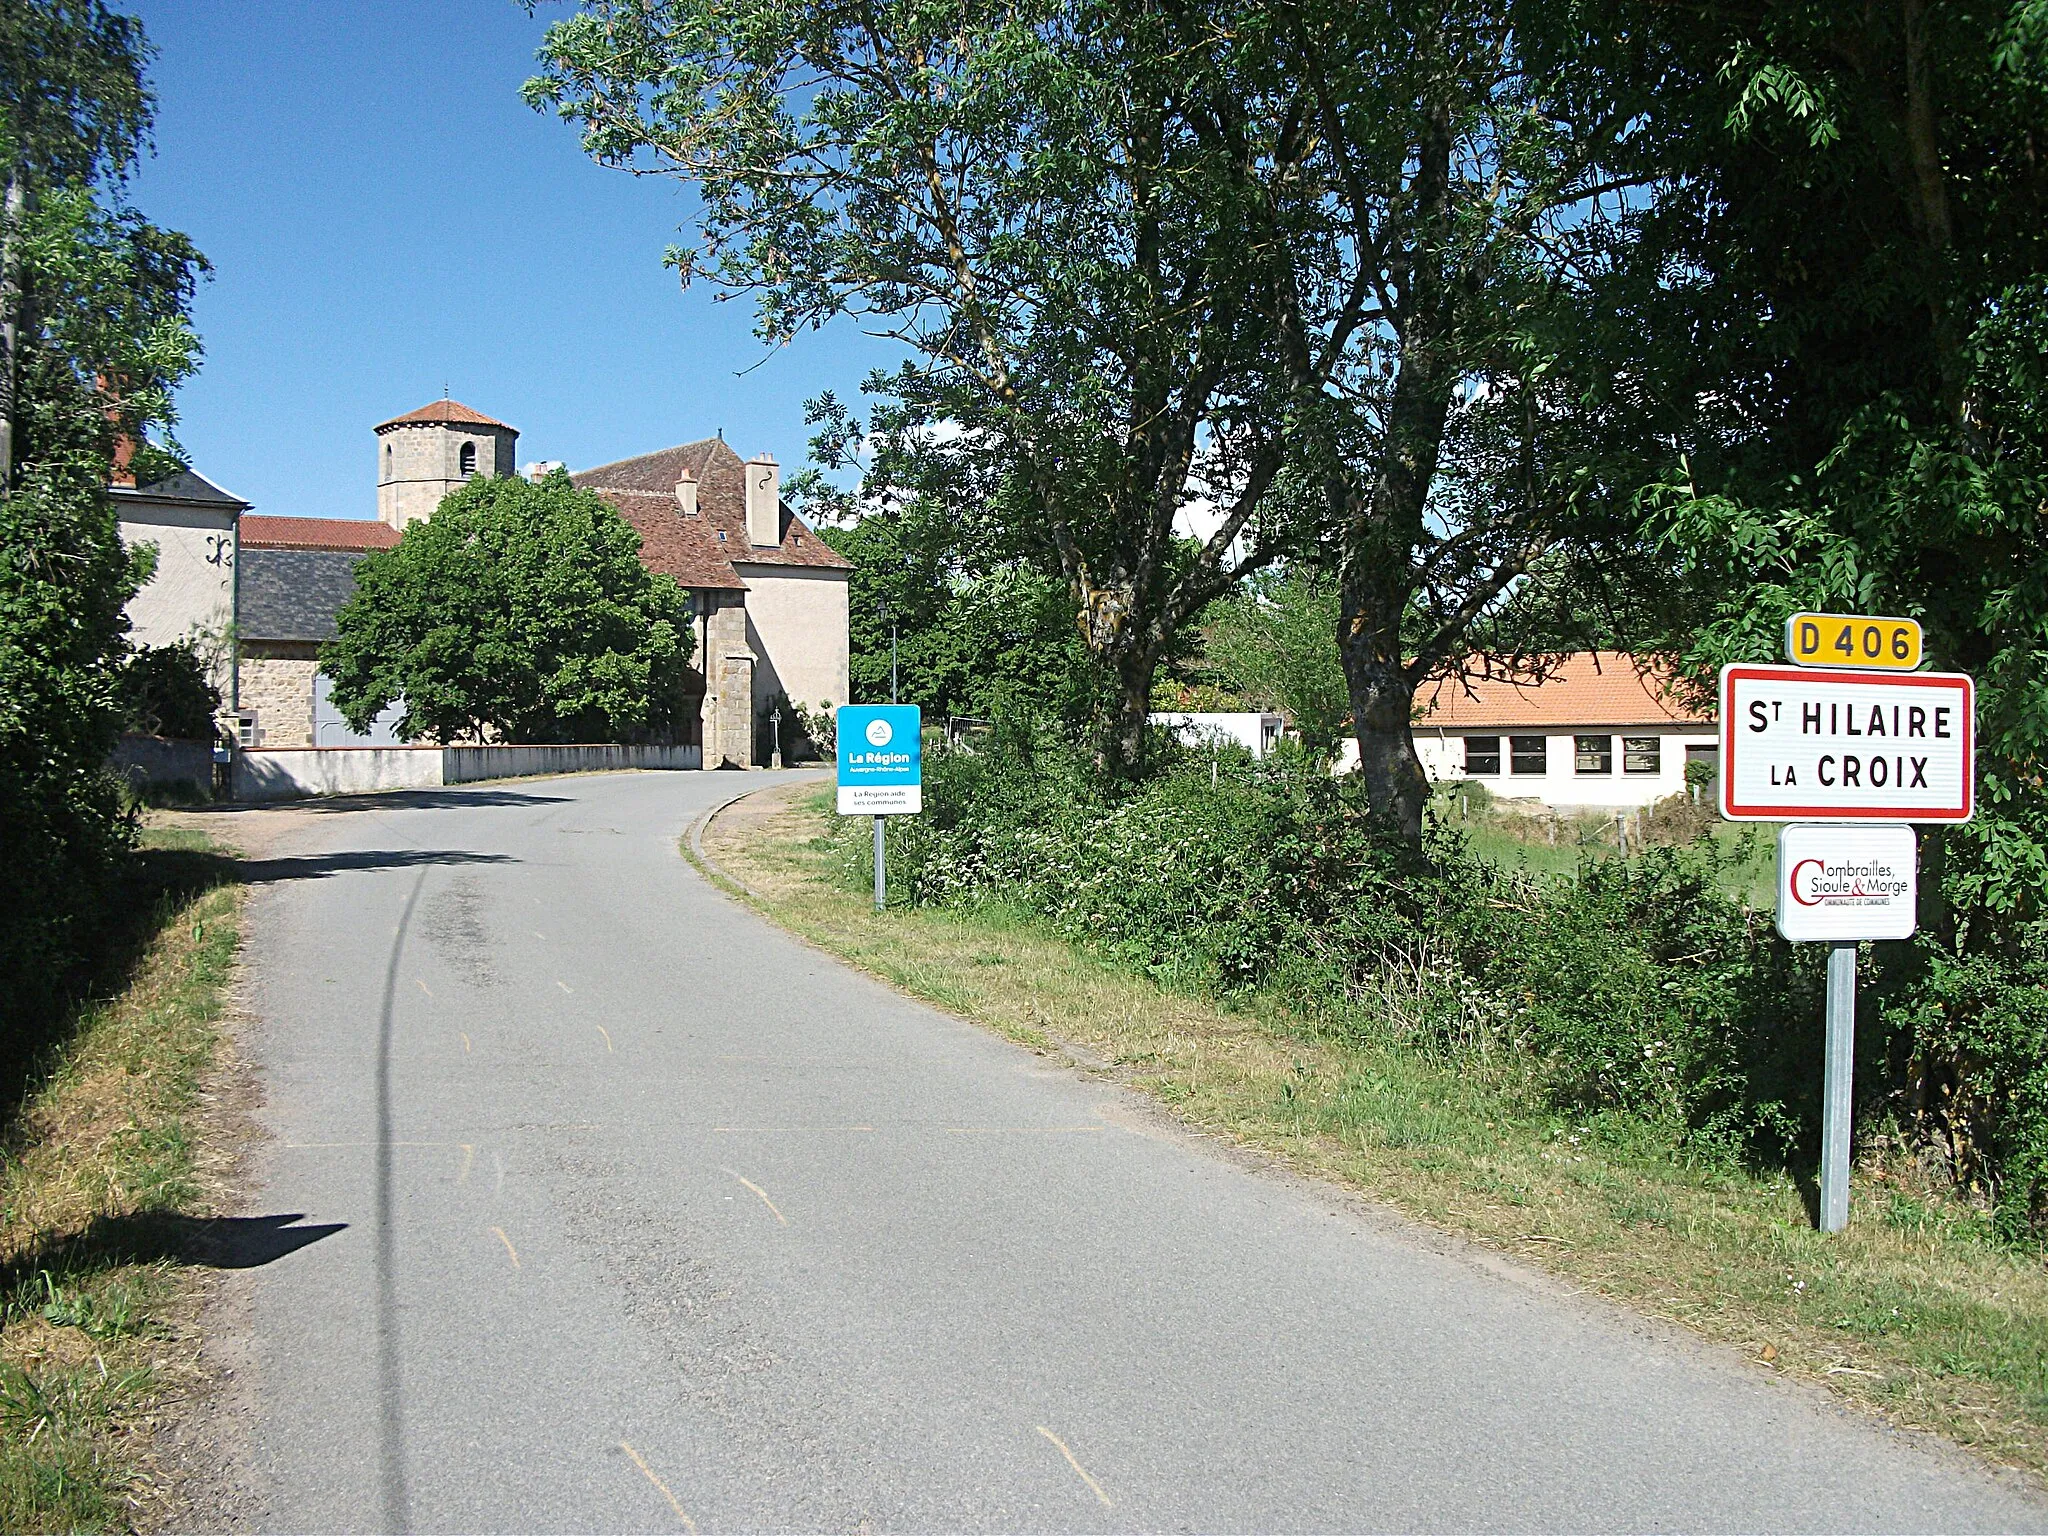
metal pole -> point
(892, 662)
(1836, 1089)
(881, 872)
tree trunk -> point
(10, 320)
(1382, 700)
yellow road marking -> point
(1097, 1487)
(606, 1033)
(757, 1189)
(563, 985)
(468, 1157)
(514, 1253)
(465, 1042)
(688, 1524)
(422, 986)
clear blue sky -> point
(384, 217)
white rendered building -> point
(1598, 734)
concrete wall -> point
(465, 765)
(1443, 758)
(277, 683)
(287, 773)
(797, 625)
(145, 760)
(194, 584)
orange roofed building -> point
(1597, 733)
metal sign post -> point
(1838, 885)
(1837, 1088)
(881, 772)
(1850, 754)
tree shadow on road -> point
(455, 797)
(320, 865)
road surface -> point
(622, 1210)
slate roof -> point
(356, 534)
(701, 551)
(444, 413)
(185, 486)
(1592, 688)
(292, 594)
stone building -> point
(770, 597)
(296, 572)
(425, 454)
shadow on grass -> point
(139, 901)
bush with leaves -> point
(519, 611)
(1634, 989)
(168, 690)
(96, 296)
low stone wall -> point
(282, 773)
(465, 765)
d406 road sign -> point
(1846, 640)
(1801, 745)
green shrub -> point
(1632, 988)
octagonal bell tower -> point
(425, 454)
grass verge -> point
(1912, 1312)
(98, 1156)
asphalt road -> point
(645, 1216)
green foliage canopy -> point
(1275, 645)
(982, 639)
(90, 291)
(519, 612)
(1058, 207)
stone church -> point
(770, 597)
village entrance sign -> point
(1850, 747)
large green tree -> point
(1459, 427)
(1848, 276)
(1058, 207)
(518, 612)
(94, 334)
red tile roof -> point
(701, 551)
(1590, 688)
(316, 533)
(444, 412)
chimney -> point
(686, 494)
(540, 469)
(121, 467)
(764, 502)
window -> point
(1529, 754)
(1593, 754)
(1641, 754)
(468, 458)
(1482, 755)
